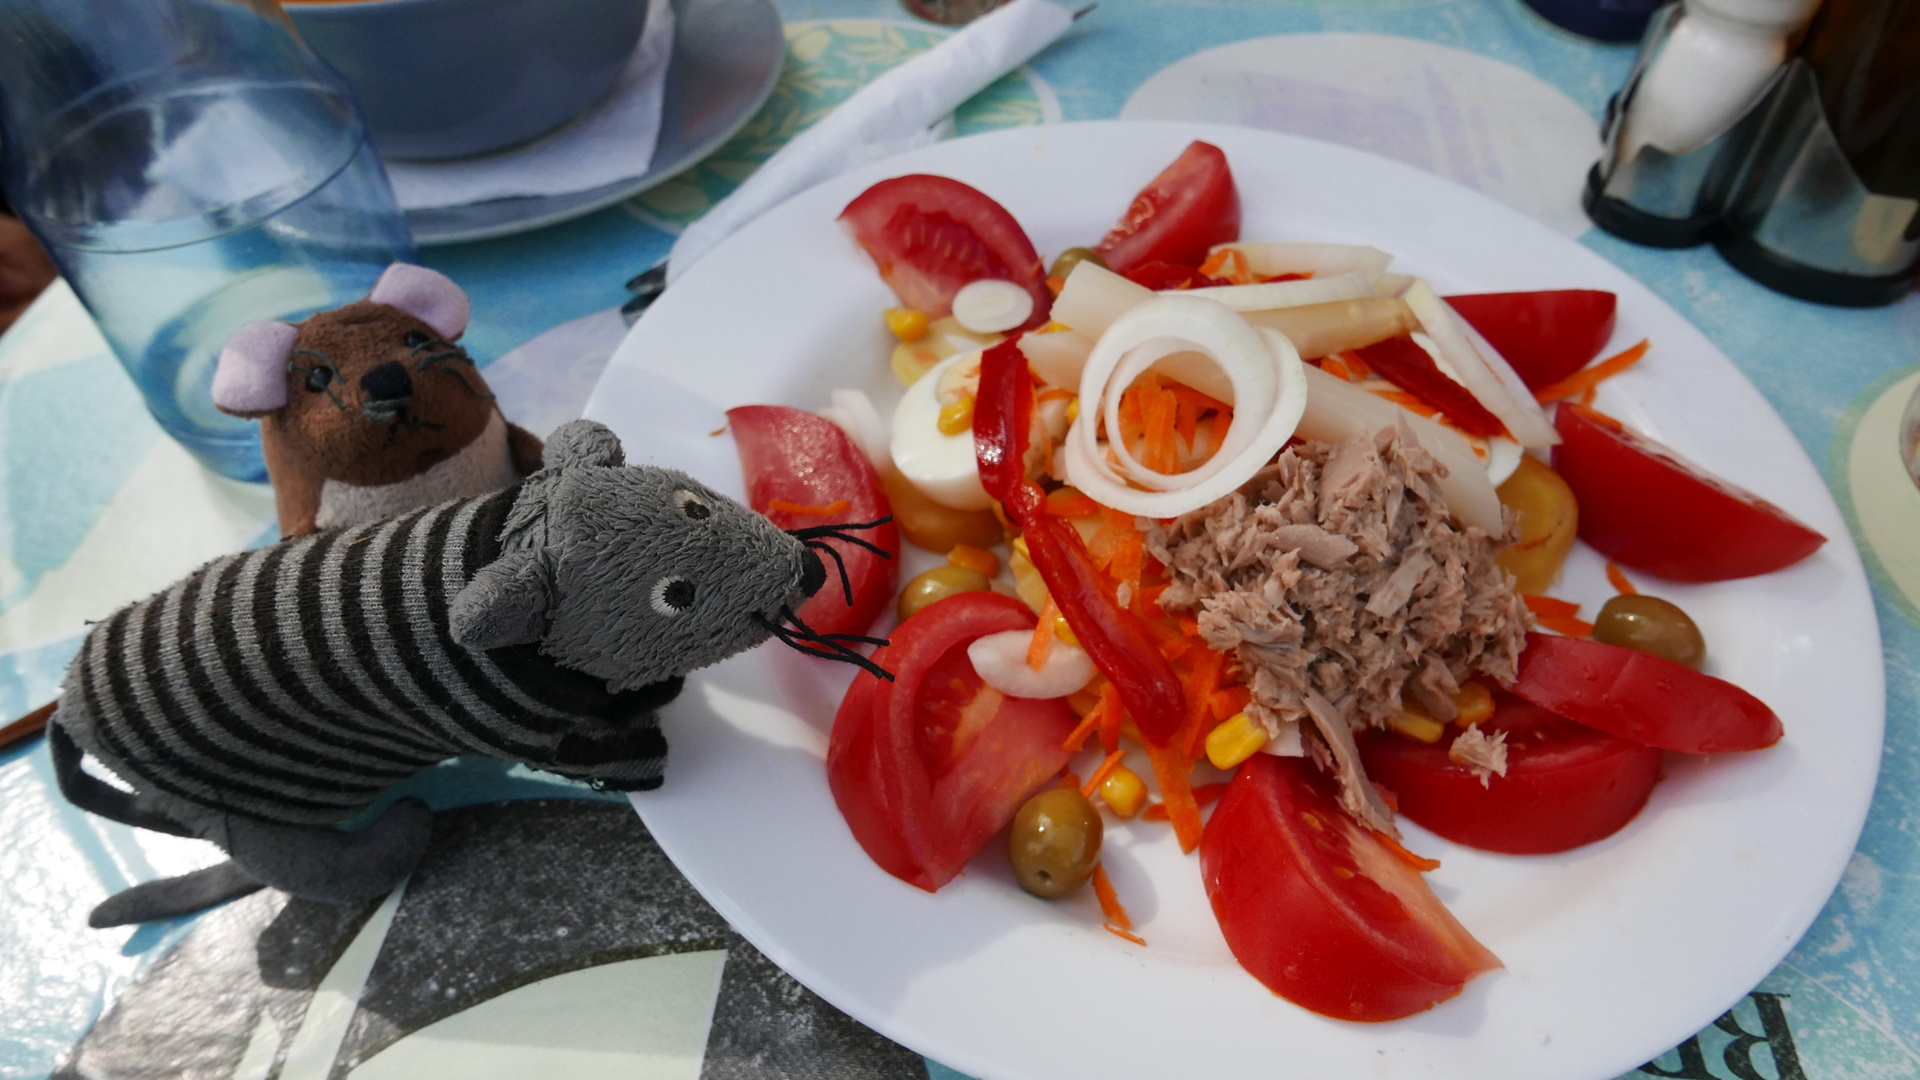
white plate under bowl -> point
(1614, 952)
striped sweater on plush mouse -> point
(275, 693)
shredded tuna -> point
(1485, 754)
(1341, 584)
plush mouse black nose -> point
(813, 573)
(388, 382)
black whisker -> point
(802, 638)
(846, 583)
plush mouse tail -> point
(171, 898)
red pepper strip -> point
(1115, 638)
(1402, 362)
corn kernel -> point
(1235, 741)
(956, 417)
(1475, 703)
(907, 325)
(1124, 791)
(1026, 580)
(1417, 726)
(1063, 632)
(975, 558)
(1073, 410)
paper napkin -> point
(611, 141)
(894, 112)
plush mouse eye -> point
(415, 339)
(691, 505)
(318, 378)
(671, 596)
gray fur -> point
(324, 671)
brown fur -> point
(319, 436)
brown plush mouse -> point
(371, 410)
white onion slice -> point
(1503, 457)
(1001, 661)
(1268, 295)
(853, 412)
(1094, 296)
(1269, 393)
(1267, 260)
(1338, 410)
(991, 306)
(1057, 358)
(1522, 416)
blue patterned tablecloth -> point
(97, 508)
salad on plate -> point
(1254, 541)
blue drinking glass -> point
(191, 166)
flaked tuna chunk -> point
(1485, 754)
(1342, 586)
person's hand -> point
(24, 269)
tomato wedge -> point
(1644, 507)
(928, 767)
(1642, 697)
(1319, 909)
(803, 460)
(1191, 206)
(930, 236)
(1545, 336)
(1118, 642)
(1402, 362)
(1566, 784)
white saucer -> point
(727, 54)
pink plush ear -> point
(252, 376)
(427, 295)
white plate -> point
(1614, 953)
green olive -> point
(1055, 842)
(1073, 257)
(938, 584)
(1652, 626)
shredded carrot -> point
(837, 506)
(716, 432)
(1228, 264)
(1042, 644)
(1618, 579)
(1155, 812)
(1161, 454)
(1201, 402)
(1110, 905)
(1207, 793)
(1592, 375)
(1170, 770)
(1119, 933)
(1112, 717)
(1337, 368)
(1199, 687)
(1417, 862)
(1069, 779)
(1408, 402)
(1055, 284)
(1285, 277)
(1085, 728)
(1100, 774)
(1229, 700)
(1065, 502)
(1357, 364)
(1550, 605)
(1587, 395)
(1559, 616)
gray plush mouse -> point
(276, 693)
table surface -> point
(100, 509)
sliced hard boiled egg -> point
(1001, 660)
(942, 466)
(992, 306)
